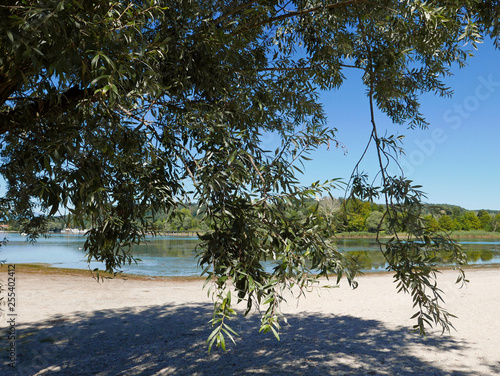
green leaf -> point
(95, 62)
(10, 35)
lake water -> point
(175, 256)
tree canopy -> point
(114, 111)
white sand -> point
(71, 325)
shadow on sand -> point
(170, 340)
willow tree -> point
(114, 111)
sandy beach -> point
(72, 325)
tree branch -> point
(7, 87)
(302, 69)
(40, 108)
(298, 13)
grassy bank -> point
(46, 269)
(474, 234)
(360, 235)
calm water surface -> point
(175, 256)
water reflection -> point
(167, 247)
(367, 252)
(176, 256)
(166, 256)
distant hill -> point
(447, 209)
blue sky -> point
(456, 159)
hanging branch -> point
(412, 259)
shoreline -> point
(160, 326)
(340, 236)
(461, 235)
(47, 269)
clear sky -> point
(456, 159)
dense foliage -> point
(116, 111)
(345, 218)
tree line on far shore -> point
(359, 216)
(344, 216)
